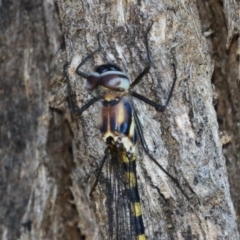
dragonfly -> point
(120, 128)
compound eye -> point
(111, 68)
(107, 68)
(92, 81)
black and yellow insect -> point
(120, 128)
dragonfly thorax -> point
(117, 123)
(108, 79)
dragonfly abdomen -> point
(129, 163)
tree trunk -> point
(224, 47)
(49, 157)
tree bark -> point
(35, 194)
(223, 23)
(50, 164)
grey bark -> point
(49, 157)
(35, 194)
(223, 43)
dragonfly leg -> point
(82, 74)
(79, 110)
(147, 68)
(146, 150)
(106, 155)
(75, 109)
(158, 107)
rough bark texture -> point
(46, 176)
(228, 88)
(35, 194)
(223, 43)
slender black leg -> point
(147, 68)
(82, 74)
(75, 109)
(100, 169)
(146, 150)
(158, 107)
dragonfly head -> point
(108, 78)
